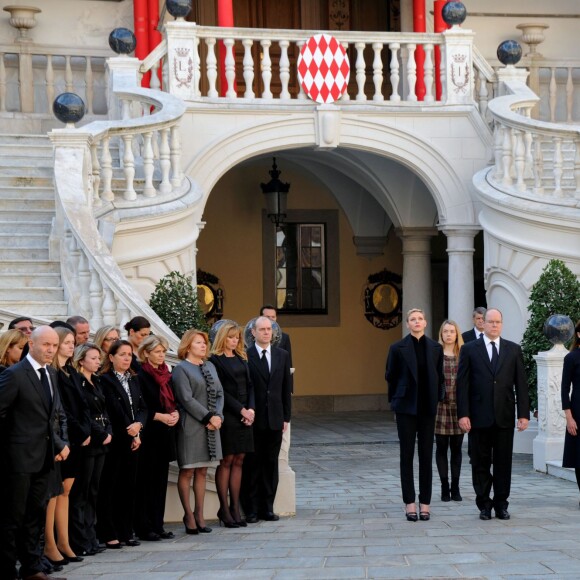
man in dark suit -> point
(270, 374)
(477, 330)
(35, 436)
(270, 312)
(491, 383)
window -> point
(301, 267)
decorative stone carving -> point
(532, 35)
(23, 18)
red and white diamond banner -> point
(323, 68)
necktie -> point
(480, 334)
(45, 385)
(264, 362)
(494, 356)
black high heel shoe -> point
(424, 515)
(190, 531)
(202, 529)
(411, 516)
(232, 524)
(241, 523)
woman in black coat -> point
(571, 404)
(128, 414)
(158, 439)
(85, 490)
(230, 360)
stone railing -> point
(559, 88)
(149, 146)
(260, 65)
(32, 75)
(532, 158)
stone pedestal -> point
(549, 444)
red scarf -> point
(162, 377)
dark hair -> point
(137, 323)
(61, 324)
(74, 320)
(108, 365)
(479, 310)
(13, 323)
(576, 340)
(267, 307)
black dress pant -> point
(260, 472)
(413, 428)
(491, 445)
(83, 502)
(23, 516)
(442, 444)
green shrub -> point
(175, 301)
(557, 291)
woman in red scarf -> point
(158, 442)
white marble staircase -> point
(30, 283)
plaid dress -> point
(446, 420)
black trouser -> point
(23, 517)
(492, 445)
(442, 444)
(260, 472)
(83, 503)
(421, 429)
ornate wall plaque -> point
(210, 296)
(383, 299)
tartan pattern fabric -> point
(446, 420)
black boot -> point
(445, 490)
(455, 495)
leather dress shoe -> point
(150, 537)
(502, 514)
(166, 535)
(252, 519)
(485, 514)
(270, 517)
(131, 543)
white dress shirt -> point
(268, 354)
(36, 366)
(488, 345)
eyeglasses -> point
(24, 328)
(113, 339)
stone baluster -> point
(68, 76)
(73, 266)
(569, 96)
(129, 168)
(211, 64)
(411, 72)
(520, 155)
(301, 93)
(558, 166)
(284, 69)
(577, 167)
(89, 89)
(483, 94)
(2, 84)
(266, 69)
(394, 64)
(96, 174)
(538, 165)
(553, 95)
(378, 72)
(428, 68)
(84, 276)
(164, 161)
(230, 68)
(248, 64)
(360, 71)
(507, 156)
(443, 73)
(96, 297)
(196, 68)
(49, 78)
(109, 307)
(107, 170)
(498, 150)
(345, 96)
(148, 189)
(176, 174)
(155, 83)
(123, 314)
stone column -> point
(549, 443)
(417, 271)
(460, 251)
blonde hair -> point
(81, 352)
(458, 338)
(101, 334)
(219, 344)
(7, 340)
(151, 343)
(412, 311)
(62, 332)
(187, 339)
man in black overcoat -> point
(491, 384)
(35, 436)
(270, 374)
(477, 330)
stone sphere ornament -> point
(454, 13)
(559, 329)
(216, 326)
(178, 8)
(68, 108)
(122, 41)
(509, 52)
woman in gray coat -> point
(200, 398)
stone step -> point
(29, 266)
(51, 310)
(30, 171)
(25, 241)
(7, 192)
(30, 280)
(24, 253)
(25, 139)
(29, 150)
(18, 203)
(9, 179)
(30, 227)
(34, 215)
(38, 294)
(555, 468)
(24, 162)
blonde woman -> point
(104, 338)
(12, 343)
(448, 434)
(236, 434)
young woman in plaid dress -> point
(448, 435)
